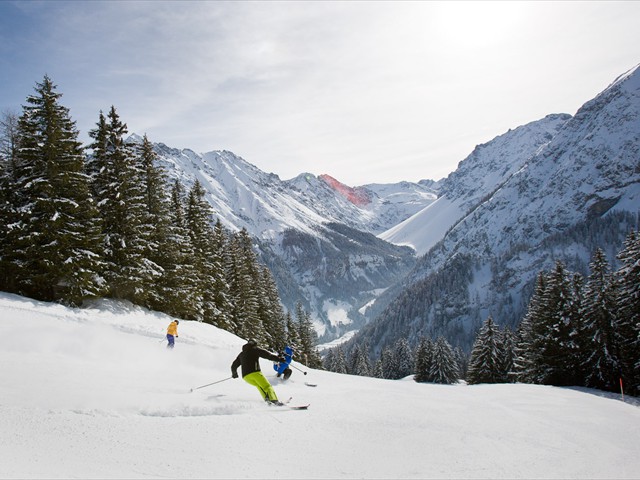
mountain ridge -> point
(490, 207)
(579, 192)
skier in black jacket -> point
(249, 359)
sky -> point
(94, 393)
(367, 92)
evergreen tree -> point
(293, 337)
(424, 359)
(600, 334)
(377, 369)
(462, 359)
(119, 189)
(387, 364)
(9, 141)
(359, 363)
(403, 359)
(179, 295)
(527, 358)
(242, 277)
(210, 273)
(156, 220)
(628, 310)
(557, 341)
(336, 360)
(307, 352)
(444, 368)
(485, 364)
(52, 250)
(271, 313)
(220, 293)
(508, 346)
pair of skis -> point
(288, 405)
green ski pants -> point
(258, 380)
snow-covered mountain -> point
(511, 207)
(316, 234)
(554, 189)
(483, 172)
(243, 196)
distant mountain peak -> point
(359, 196)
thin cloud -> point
(364, 91)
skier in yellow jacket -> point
(172, 332)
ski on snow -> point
(288, 405)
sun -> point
(476, 24)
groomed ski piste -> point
(94, 393)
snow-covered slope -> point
(487, 168)
(94, 393)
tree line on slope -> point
(103, 221)
(575, 333)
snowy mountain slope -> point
(243, 196)
(481, 173)
(580, 191)
(94, 393)
(338, 270)
(308, 210)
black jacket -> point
(249, 359)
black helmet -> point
(177, 322)
(252, 342)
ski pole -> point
(213, 383)
(299, 369)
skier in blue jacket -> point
(282, 368)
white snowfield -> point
(94, 393)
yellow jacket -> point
(173, 329)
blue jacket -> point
(282, 366)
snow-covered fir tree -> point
(119, 189)
(270, 311)
(526, 355)
(485, 364)
(508, 340)
(242, 276)
(52, 250)
(336, 360)
(402, 359)
(600, 333)
(307, 352)
(207, 261)
(156, 218)
(628, 310)
(558, 338)
(293, 337)
(177, 288)
(423, 356)
(444, 368)
(359, 362)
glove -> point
(281, 359)
(234, 374)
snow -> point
(337, 311)
(427, 227)
(94, 393)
